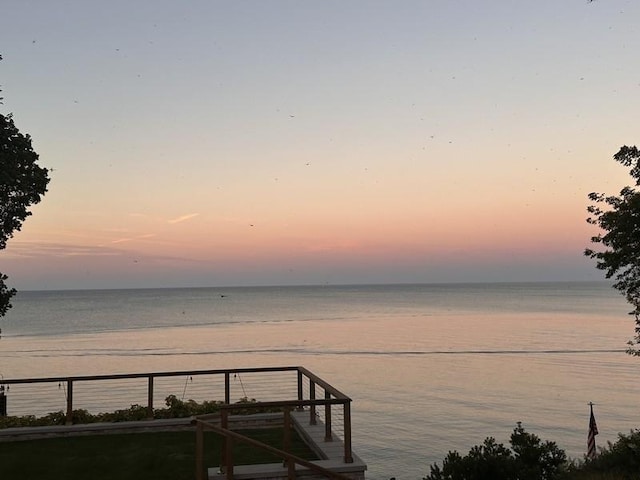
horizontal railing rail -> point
(120, 376)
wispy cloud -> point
(36, 250)
(137, 237)
(183, 218)
(44, 251)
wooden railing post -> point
(224, 423)
(312, 409)
(229, 459)
(69, 419)
(300, 390)
(327, 418)
(291, 469)
(199, 451)
(348, 456)
(227, 388)
(150, 398)
(286, 441)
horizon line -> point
(320, 285)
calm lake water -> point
(430, 368)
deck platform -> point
(331, 454)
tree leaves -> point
(22, 181)
(22, 184)
(5, 293)
(619, 254)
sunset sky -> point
(212, 143)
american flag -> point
(591, 437)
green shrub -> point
(180, 409)
(175, 408)
(619, 460)
(135, 412)
(528, 459)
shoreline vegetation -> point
(529, 458)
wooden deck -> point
(331, 453)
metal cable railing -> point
(267, 387)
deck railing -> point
(230, 437)
(274, 387)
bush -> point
(176, 408)
(179, 408)
(619, 460)
(528, 459)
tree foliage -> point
(22, 184)
(618, 216)
(528, 459)
(619, 460)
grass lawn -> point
(139, 456)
